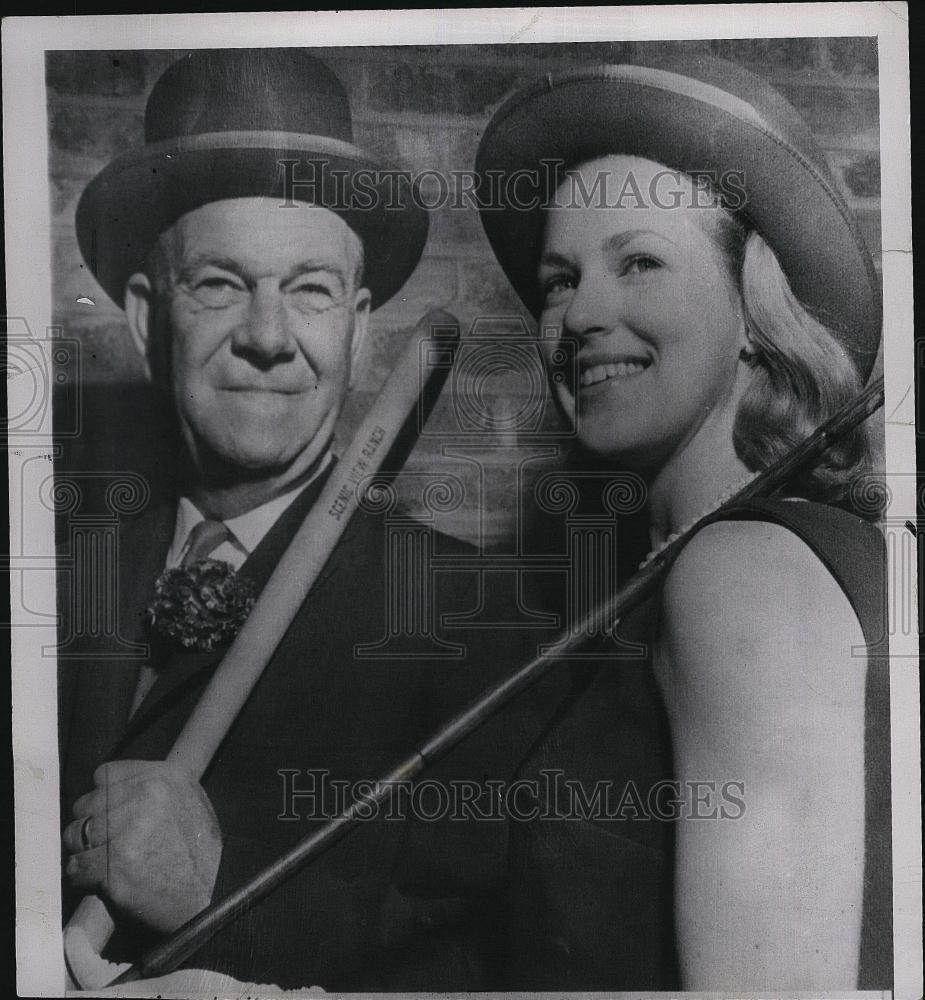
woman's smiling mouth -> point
(610, 370)
(256, 390)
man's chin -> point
(229, 459)
(255, 467)
(231, 466)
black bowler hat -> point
(220, 124)
(691, 114)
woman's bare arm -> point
(762, 664)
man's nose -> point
(263, 333)
(593, 307)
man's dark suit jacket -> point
(399, 905)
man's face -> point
(263, 314)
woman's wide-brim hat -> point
(234, 123)
(702, 115)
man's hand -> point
(147, 838)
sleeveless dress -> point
(591, 899)
(853, 551)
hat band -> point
(687, 86)
(304, 141)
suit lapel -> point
(264, 559)
(182, 669)
(102, 688)
(140, 562)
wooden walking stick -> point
(166, 956)
(389, 428)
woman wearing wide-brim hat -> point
(676, 224)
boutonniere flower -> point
(201, 605)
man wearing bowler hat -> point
(249, 302)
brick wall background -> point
(425, 107)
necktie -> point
(204, 539)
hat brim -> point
(139, 195)
(689, 126)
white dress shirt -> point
(247, 529)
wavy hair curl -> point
(801, 374)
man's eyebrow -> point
(237, 268)
(197, 261)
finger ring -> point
(85, 834)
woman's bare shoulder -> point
(753, 561)
(748, 605)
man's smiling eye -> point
(315, 294)
(216, 291)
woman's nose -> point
(264, 332)
(592, 307)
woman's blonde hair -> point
(801, 374)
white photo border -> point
(40, 967)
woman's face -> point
(653, 311)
